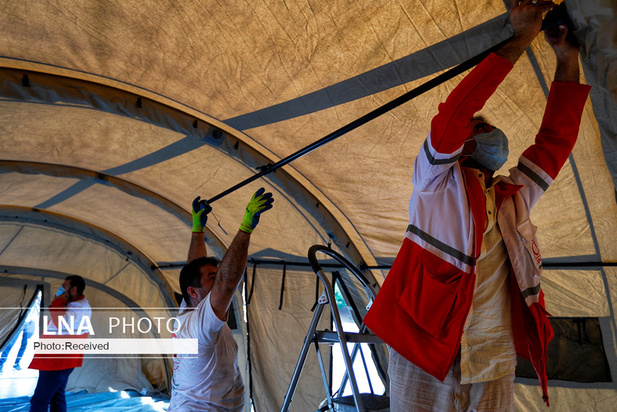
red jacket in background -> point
(58, 307)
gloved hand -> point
(200, 211)
(260, 202)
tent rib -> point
(128, 187)
(54, 89)
(83, 75)
(35, 272)
(45, 218)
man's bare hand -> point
(567, 55)
(526, 17)
(526, 20)
(562, 47)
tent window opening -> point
(575, 354)
(365, 382)
(17, 351)
(232, 320)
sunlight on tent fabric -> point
(114, 116)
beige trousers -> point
(412, 389)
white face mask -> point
(491, 149)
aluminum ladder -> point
(357, 402)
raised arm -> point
(564, 108)
(199, 211)
(232, 266)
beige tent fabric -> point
(115, 115)
(596, 30)
(280, 346)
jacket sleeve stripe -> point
(535, 290)
(466, 259)
(533, 176)
(432, 160)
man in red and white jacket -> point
(463, 296)
(54, 369)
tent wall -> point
(14, 301)
(597, 31)
(282, 331)
(114, 116)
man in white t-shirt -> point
(212, 381)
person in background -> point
(463, 296)
(54, 369)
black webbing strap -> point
(250, 294)
(248, 330)
(316, 293)
(283, 286)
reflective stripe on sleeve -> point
(533, 176)
(432, 160)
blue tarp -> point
(110, 401)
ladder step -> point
(332, 337)
(371, 402)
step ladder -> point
(365, 402)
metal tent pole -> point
(264, 170)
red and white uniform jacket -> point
(76, 310)
(422, 306)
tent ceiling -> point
(128, 110)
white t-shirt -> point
(212, 381)
(73, 322)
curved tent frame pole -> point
(455, 71)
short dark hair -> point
(480, 117)
(191, 276)
(78, 282)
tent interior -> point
(115, 115)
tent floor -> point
(91, 402)
(16, 388)
(15, 383)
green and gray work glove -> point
(200, 211)
(260, 202)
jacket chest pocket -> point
(431, 299)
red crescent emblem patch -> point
(536, 251)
